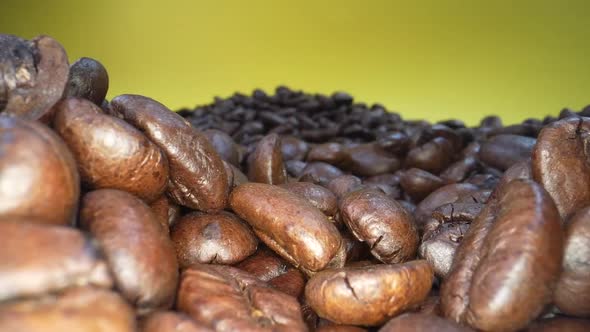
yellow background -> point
(425, 59)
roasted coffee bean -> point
(331, 153)
(293, 148)
(503, 151)
(68, 259)
(572, 294)
(396, 143)
(382, 223)
(433, 156)
(87, 79)
(228, 299)
(368, 295)
(38, 175)
(560, 324)
(320, 173)
(444, 195)
(560, 163)
(505, 270)
(225, 146)
(318, 196)
(220, 238)
(344, 184)
(77, 309)
(288, 224)
(111, 153)
(137, 249)
(170, 321)
(295, 167)
(391, 179)
(460, 170)
(166, 211)
(368, 160)
(439, 245)
(33, 75)
(413, 322)
(339, 328)
(431, 305)
(457, 212)
(266, 163)
(419, 184)
(197, 176)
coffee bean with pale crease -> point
(368, 295)
(111, 153)
(560, 163)
(225, 298)
(171, 321)
(506, 268)
(288, 224)
(419, 183)
(33, 75)
(37, 259)
(318, 196)
(572, 294)
(225, 146)
(266, 163)
(382, 223)
(220, 238)
(137, 249)
(87, 79)
(414, 322)
(503, 151)
(38, 175)
(77, 309)
(197, 176)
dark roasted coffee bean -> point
(87, 79)
(266, 163)
(320, 173)
(460, 170)
(368, 295)
(166, 211)
(137, 249)
(293, 148)
(412, 322)
(503, 151)
(318, 196)
(170, 321)
(339, 328)
(331, 153)
(560, 324)
(433, 156)
(38, 175)
(396, 143)
(369, 160)
(439, 245)
(447, 194)
(295, 167)
(225, 146)
(344, 184)
(419, 184)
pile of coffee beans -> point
(279, 212)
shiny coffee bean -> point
(228, 299)
(460, 170)
(197, 176)
(68, 259)
(225, 146)
(33, 75)
(438, 247)
(572, 294)
(382, 223)
(344, 184)
(369, 160)
(419, 184)
(87, 79)
(433, 156)
(444, 195)
(111, 153)
(139, 252)
(170, 321)
(560, 324)
(560, 164)
(331, 153)
(503, 151)
(320, 173)
(166, 211)
(220, 238)
(368, 295)
(318, 196)
(266, 163)
(413, 322)
(288, 224)
(506, 268)
(77, 309)
(293, 148)
(38, 175)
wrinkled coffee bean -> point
(228, 299)
(38, 175)
(382, 223)
(137, 249)
(439, 246)
(109, 152)
(288, 224)
(368, 295)
(411, 322)
(87, 79)
(220, 238)
(444, 195)
(503, 151)
(266, 164)
(197, 176)
(170, 321)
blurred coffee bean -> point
(320, 173)
(38, 175)
(225, 146)
(396, 143)
(228, 299)
(33, 75)
(368, 160)
(331, 153)
(503, 151)
(170, 321)
(318, 196)
(137, 249)
(344, 184)
(266, 163)
(433, 156)
(339, 328)
(368, 295)
(295, 167)
(293, 148)
(220, 238)
(166, 211)
(87, 79)
(111, 153)
(560, 324)
(197, 176)
(288, 224)
(459, 170)
(414, 322)
(419, 184)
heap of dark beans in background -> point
(282, 212)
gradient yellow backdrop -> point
(425, 59)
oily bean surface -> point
(87, 79)
(266, 164)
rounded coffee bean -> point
(77, 309)
(288, 224)
(88, 79)
(433, 156)
(460, 170)
(320, 172)
(412, 322)
(439, 247)
(139, 252)
(220, 238)
(38, 175)
(331, 153)
(225, 146)
(318, 196)
(33, 75)
(171, 321)
(503, 151)
(505, 270)
(419, 184)
(37, 259)
(111, 153)
(368, 295)
(266, 163)
(560, 164)
(166, 211)
(369, 160)
(197, 176)
(444, 195)
(572, 294)
(382, 223)
(228, 299)
(293, 148)
(344, 184)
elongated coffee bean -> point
(266, 163)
